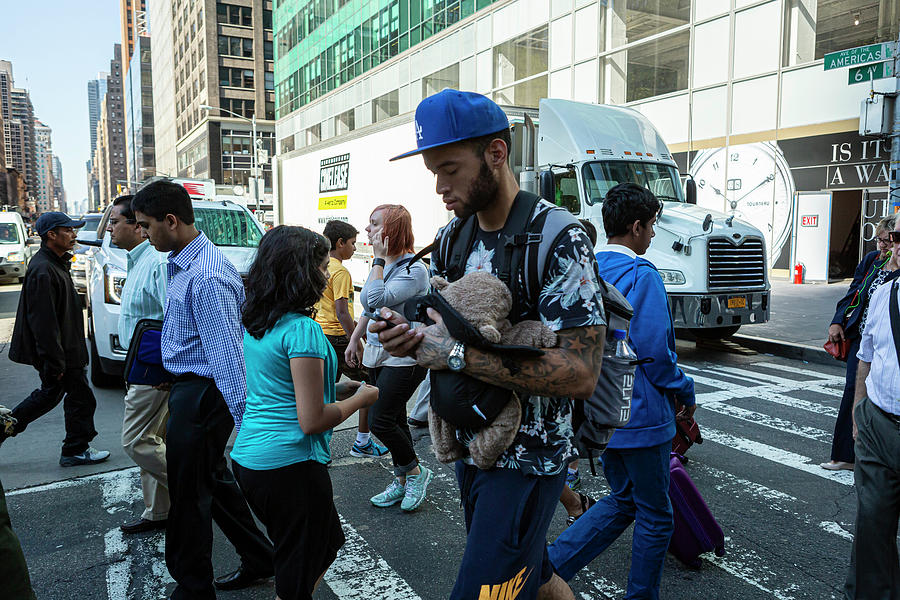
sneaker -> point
(7, 424)
(370, 450)
(415, 489)
(573, 479)
(393, 494)
(88, 457)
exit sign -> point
(809, 221)
(871, 72)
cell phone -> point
(377, 317)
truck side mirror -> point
(548, 186)
(690, 190)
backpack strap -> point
(459, 241)
(515, 237)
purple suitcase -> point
(696, 530)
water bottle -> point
(623, 350)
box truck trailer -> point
(713, 265)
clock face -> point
(752, 182)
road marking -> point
(756, 418)
(777, 455)
(743, 564)
(838, 380)
(360, 573)
(118, 574)
(66, 483)
(837, 529)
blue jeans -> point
(639, 480)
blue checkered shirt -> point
(202, 331)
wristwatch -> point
(378, 262)
(457, 359)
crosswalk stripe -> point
(757, 418)
(360, 573)
(777, 455)
(839, 380)
(745, 564)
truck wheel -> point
(99, 378)
(715, 333)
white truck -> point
(713, 265)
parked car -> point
(229, 226)
(15, 250)
(81, 257)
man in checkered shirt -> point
(202, 344)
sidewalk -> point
(798, 321)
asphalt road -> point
(766, 422)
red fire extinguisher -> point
(798, 273)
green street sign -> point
(859, 56)
(870, 72)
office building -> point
(133, 16)
(162, 60)
(138, 94)
(43, 168)
(222, 56)
(17, 114)
(59, 191)
(108, 163)
(96, 92)
(738, 90)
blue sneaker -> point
(573, 479)
(415, 489)
(393, 494)
(369, 450)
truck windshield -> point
(662, 180)
(226, 227)
(9, 233)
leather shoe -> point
(837, 465)
(239, 579)
(141, 525)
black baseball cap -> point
(51, 220)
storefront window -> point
(445, 78)
(527, 94)
(813, 28)
(386, 106)
(521, 57)
(651, 69)
(634, 20)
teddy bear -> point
(485, 301)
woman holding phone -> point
(392, 281)
(293, 403)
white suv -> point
(229, 226)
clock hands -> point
(771, 177)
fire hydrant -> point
(798, 273)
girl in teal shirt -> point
(281, 452)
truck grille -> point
(736, 265)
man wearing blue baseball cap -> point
(49, 335)
(464, 139)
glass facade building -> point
(322, 44)
(139, 138)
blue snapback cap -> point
(453, 116)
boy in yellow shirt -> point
(334, 313)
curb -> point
(787, 349)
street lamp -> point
(253, 164)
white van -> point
(15, 253)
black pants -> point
(842, 443)
(296, 504)
(201, 488)
(387, 417)
(340, 343)
(14, 580)
(79, 406)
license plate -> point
(739, 302)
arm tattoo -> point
(568, 370)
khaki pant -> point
(144, 440)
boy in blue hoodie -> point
(636, 462)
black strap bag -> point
(143, 363)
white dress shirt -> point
(877, 348)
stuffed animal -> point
(485, 302)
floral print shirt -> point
(569, 297)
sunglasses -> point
(895, 236)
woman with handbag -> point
(393, 280)
(875, 269)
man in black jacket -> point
(49, 335)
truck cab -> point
(713, 265)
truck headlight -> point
(15, 257)
(671, 277)
(113, 282)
